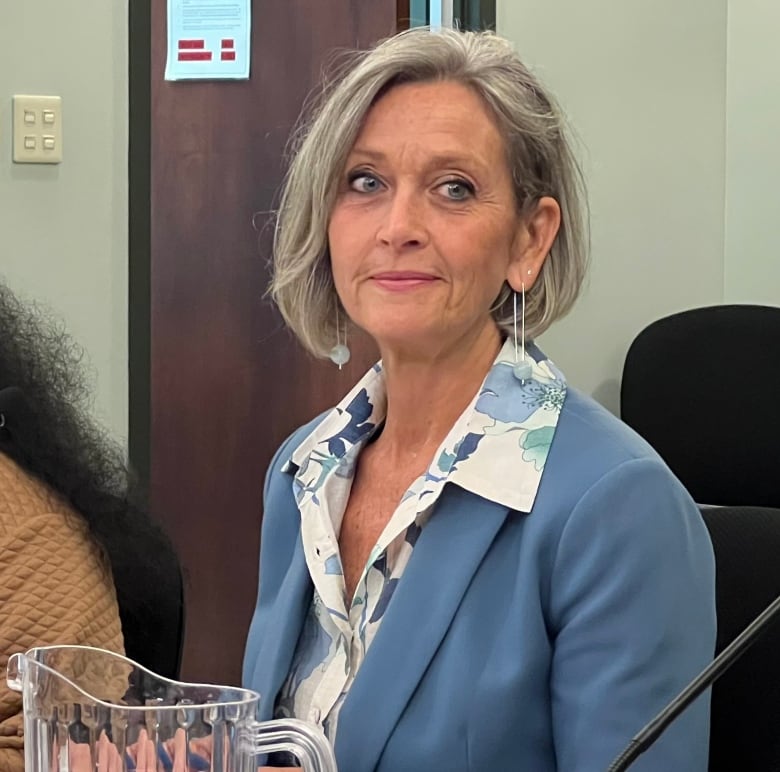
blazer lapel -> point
(284, 623)
(448, 552)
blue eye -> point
(364, 183)
(458, 190)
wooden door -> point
(227, 383)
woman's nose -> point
(403, 225)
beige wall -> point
(63, 229)
(752, 246)
(645, 86)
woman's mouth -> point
(400, 281)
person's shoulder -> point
(591, 443)
(281, 520)
(293, 441)
(24, 497)
(34, 522)
(602, 477)
(585, 424)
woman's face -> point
(425, 228)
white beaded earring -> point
(340, 353)
(522, 369)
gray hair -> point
(539, 155)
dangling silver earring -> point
(522, 369)
(340, 353)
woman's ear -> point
(535, 236)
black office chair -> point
(703, 388)
(151, 603)
(745, 725)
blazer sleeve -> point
(632, 602)
(55, 588)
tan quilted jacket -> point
(54, 588)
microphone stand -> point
(653, 730)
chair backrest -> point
(745, 725)
(151, 607)
(703, 388)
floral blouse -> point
(496, 449)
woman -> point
(467, 564)
(68, 519)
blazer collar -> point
(446, 556)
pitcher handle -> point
(291, 735)
(14, 674)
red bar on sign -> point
(189, 44)
(228, 56)
(194, 56)
(228, 43)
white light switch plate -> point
(37, 129)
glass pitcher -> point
(89, 710)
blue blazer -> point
(537, 642)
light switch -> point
(34, 115)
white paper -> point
(208, 39)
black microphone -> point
(655, 728)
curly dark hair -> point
(47, 430)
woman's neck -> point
(426, 395)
